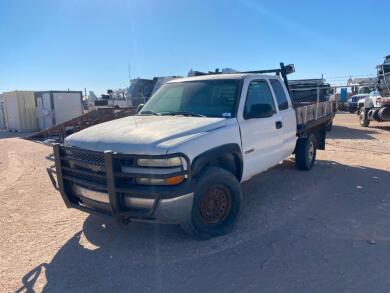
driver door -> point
(261, 136)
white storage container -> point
(55, 107)
(20, 111)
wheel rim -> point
(362, 117)
(311, 151)
(215, 204)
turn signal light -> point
(175, 180)
(158, 181)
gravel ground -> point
(325, 230)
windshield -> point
(211, 98)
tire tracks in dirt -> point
(12, 172)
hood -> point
(142, 134)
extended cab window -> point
(280, 94)
(259, 96)
(211, 98)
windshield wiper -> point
(184, 113)
(148, 112)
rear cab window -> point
(280, 94)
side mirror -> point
(290, 69)
(139, 108)
(259, 111)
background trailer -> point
(20, 111)
(55, 107)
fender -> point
(230, 154)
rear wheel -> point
(364, 122)
(217, 204)
(329, 126)
(305, 153)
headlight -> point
(157, 181)
(171, 162)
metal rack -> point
(60, 131)
(283, 71)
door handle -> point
(278, 124)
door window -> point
(259, 93)
(280, 94)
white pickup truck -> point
(182, 158)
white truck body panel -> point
(260, 154)
(289, 129)
(263, 145)
(227, 132)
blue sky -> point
(77, 44)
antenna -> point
(129, 72)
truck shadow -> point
(342, 132)
(382, 127)
(139, 257)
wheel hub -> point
(311, 151)
(215, 204)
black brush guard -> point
(106, 176)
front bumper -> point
(351, 106)
(102, 187)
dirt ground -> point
(326, 230)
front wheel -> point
(305, 153)
(217, 204)
(364, 122)
(359, 109)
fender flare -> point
(204, 158)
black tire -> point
(207, 220)
(364, 122)
(351, 110)
(305, 153)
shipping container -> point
(55, 107)
(20, 111)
